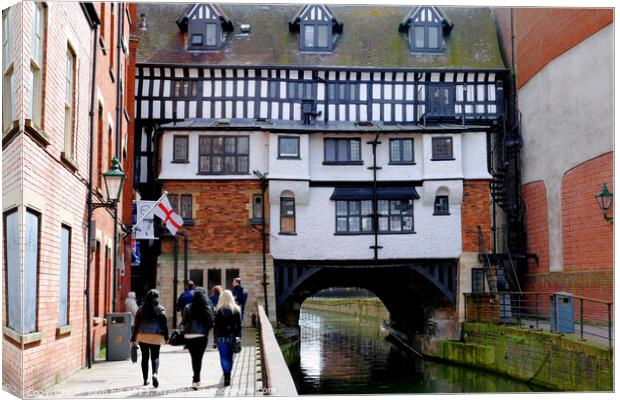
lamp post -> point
(113, 179)
(604, 199)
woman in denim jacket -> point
(150, 330)
(227, 330)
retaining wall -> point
(359, 307)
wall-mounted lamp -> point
(604, 199)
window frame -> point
(401, 152)
(444, 158)
(426, 26)
(360, 216)
(288, 157)
(7, 287)
(440, 110)
(447, 204)
(284, 199)
(315, 25)
(188, 218)
(223, 155)
(478, 273)
(341, 162)
(69, 125)
(183, 160)
(68, 277)
(36, 273)
(257, 220)
(37, 64)
(8, 108)
(390, 214)
(201, 27)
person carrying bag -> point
(197, 321)
(227, 331)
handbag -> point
(134, 353)
(177, 338)
(236, 345)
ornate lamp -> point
(604, 199)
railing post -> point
(581, 316)
(465, 306)
(609, 323)
(537, 308)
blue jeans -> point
(225, 348)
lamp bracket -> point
(110, 205)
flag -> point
(164, 211)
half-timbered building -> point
(369, 125)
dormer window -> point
(205, 25)
(426, 27)
(316, 26)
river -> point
(341, 354)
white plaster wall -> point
(287, 168)
(567, 118)
(435, 237)
(259, 155)
(474, 150)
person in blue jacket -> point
(240, 294)
(186, 297)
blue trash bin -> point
(561, 313)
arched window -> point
(442, 205)
(287, 213)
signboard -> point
(145, 229)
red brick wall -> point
(536, 222)
(587, 239)
(543, 34)
(221, 216)
(475, 211)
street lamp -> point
(113, 179)
(604, 199)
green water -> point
(341, 354)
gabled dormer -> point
(317, 28)
(426, 28)
(205, 25)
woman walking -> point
(197, 320)
(227, 330)
(215, 298)
(150, 330)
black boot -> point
(227, 379)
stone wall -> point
(365, 308)
(541, 358)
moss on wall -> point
(542, 358)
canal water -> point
(342, 354)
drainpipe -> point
(375, 211)
(263, 184)
(119, 85)
(89, 201)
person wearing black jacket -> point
(227, 330)
(150, 330)
(197, 321)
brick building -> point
(56, 151)
(302, 93)
(563, 61)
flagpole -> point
(133, 228)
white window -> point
(11, 259)
(69, 93)
(65, 258)
(316, 37)
(36, 63)
(211, 35)
(7, 72)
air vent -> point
(363, 123)
(245, 29)
(223, 122)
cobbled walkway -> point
(113, 379)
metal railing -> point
(586, 318)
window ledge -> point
(64, 330)
(443, 159)
(9, 134)
(36, 133)
(372, 233)
(343, 162)
(224, 173)
(288, 158)
(69, 162)
(440, 214)
(287, 233)
(401, 163)
(22, 338)
(179, 162)
(188, 222)
(256, 221)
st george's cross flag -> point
(164, 210)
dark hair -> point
(190, 285)
(200, 304)
(151, 303)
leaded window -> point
(442, 148)
(401, 151)
(353, 216)
(185, 89)
(287, 215)
(180, 148)
(186, 207)
(223, 155)
(441, 205)
(395, 215)
(257, 209)
(342, 151)
(288, 147)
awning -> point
(383, 193)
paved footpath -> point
(113, 379)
